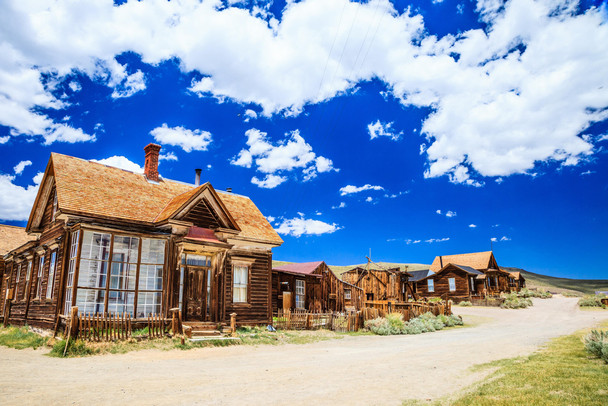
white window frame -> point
(300, 294)
(430, 283)
(39, 278)
(452, 284)
(50, 279)
(347, 294)
(472, 284)
(242, 286)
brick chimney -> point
(151, 165)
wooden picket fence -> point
(113, 326)
(104, 327)
(306, 320)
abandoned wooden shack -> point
(452, 282)
(381, 284)
(113, 241)
(516, 281)
(312, 286)
(495, 280)
(416, 276)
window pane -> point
(90, 300)
(123, 276)
(198, 260)
(51, 277)
(152, 251)
(125, 249)
(92, 274)
(148, 302)
(151, 277)
(95, 245)
(121, 302)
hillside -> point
(533, 280)
(586, 286)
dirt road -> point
(361, 370)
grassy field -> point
(533, 280)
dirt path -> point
(355, 370)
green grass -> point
(562, 373)
(21, 338)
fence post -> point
(233, 324)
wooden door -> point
(195, 294)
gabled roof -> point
(477, 260)
(304, 268)
(418, 275)
(101, 191)
(12, 237)
(469, 270)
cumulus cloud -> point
(16, 201)
(351, 189)
(472, 226)
(518, 91)
(21, 166)
(121, 162)
(4, 140)
(250, 115)
(188, 140)
(289, 154)
(339, 206)
(169, 156)
(503, 238)
(269, 181)
(299, 226)
(379, 129)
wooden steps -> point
(204, 329)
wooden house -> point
(380, 284)
(516, 281)
(11, 237)
(455, 282)
(110, 240)
(312, 286)
(495, 280)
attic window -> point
(54, 206)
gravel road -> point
(364, 370)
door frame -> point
(205, 300)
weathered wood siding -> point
(377, 284)
(201, 216)
(442, 287)
(256, 310)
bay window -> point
(120, 274)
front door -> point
(197, 293)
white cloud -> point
(340, 206)
(502, 98)
(350, 189)
(369, 199)
(448, 213)
(250, 115)
(379, 129)
(169, 156)
(395, 195)
(4, 140)
(121, 162)
(130, 85)
(75, 86)
(270, 219)
(587, 172)
(408, 242)
(16, 201)
(433, 240)
(188, 140)
(494, 239)
(505, 238)
(472, 226)
(269, 182)
(21, 166)
(299, 226)
(287, 155)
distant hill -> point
(533, 280)
(558, 285)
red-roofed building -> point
(312, 286)
(110, 240)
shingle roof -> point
(12, 237)
(305, 268)
(86, 187)
(477, 260)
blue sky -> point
(413, 129)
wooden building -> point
(110, 240)
(11, 237)
(455, 282)
(381, 284)
(312, 286)
(495, 279)
(516, 281)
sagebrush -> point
(592, 301)
(394, 324)
(596, 343)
